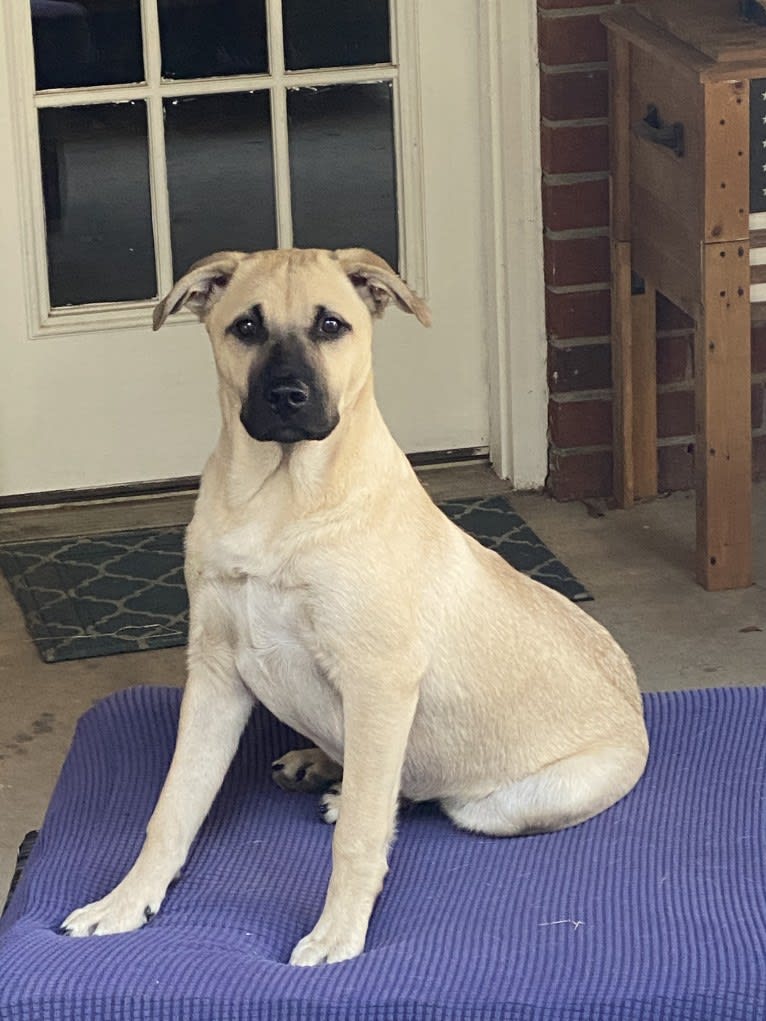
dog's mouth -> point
(286, 432)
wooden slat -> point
(619, 201)
(666, 189)
(622, 376)
(712, 26)
(723, 449)
(631, 25)
(662, 253)
(644, 372)
(650, 38)
(727, 161)
(619, 137)
(657, 79)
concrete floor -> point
(638, 564)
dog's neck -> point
(314, 475)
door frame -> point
(513, 226)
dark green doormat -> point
(124, 591)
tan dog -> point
(325, 584)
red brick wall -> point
(575, 155)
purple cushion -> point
(655, 909)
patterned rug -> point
(124, 591)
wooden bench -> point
(686, 78)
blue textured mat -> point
(655, 909)
(124, 591)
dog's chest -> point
(276, 656)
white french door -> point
(139, 135)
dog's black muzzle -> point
(287, 409)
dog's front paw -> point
(123, 910)
(307, 769)
(327, 944)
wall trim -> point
(190, 484)
(513, 228)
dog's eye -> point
(245, 328)
(331, 325)
(250, 328)
(327, 325)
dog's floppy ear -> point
(200, 288)
(376, 283)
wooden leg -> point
(622, 375)
(724, 444)
(619, 188)
(644, 367)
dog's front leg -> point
(214, 711)
(376, 729)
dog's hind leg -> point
(562, 794)
(307, 770)
(330, 802)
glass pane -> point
(97, 42)
(342, 168)
(97, 206)
(220, 175)
(335, 33)
(205, 38)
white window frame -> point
(403, 72)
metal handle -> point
(669, 136)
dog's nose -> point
(287, 396)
